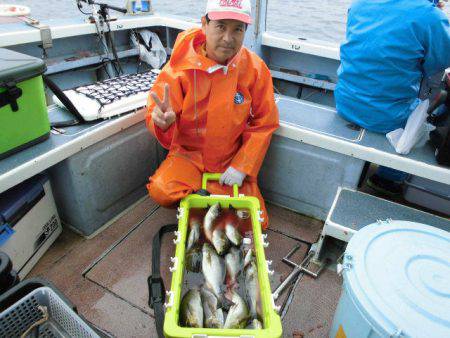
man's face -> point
(224, 38)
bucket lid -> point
(16, 67)
(398, 275)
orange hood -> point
(186, 53)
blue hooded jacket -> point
(390, 46)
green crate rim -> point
(272, 321)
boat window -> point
(68, 9)
(59, 9)
(323, 20)
(187, 8)
(309, 19)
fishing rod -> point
(99, 18)
(103, 7)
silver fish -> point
(243, 213)
(191, 311)
(248, 257)
(233, 235)
(213, 270)
(211, 215)
(213, 315)
(194, 259)
(238, 314)
(233, 263)
(255, 324)
(252, 288)
(220, 241)
(194, 234)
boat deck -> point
(106, 277)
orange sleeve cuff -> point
(164, 137)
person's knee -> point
(159, 194)
(167, 192)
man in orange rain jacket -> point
(213, 107)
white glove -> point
(232, 176)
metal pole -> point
(253, 38)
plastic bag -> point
(151, 50)
(416, 132)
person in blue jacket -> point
(390, 47)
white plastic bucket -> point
(396, 283)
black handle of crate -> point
(10, 96)
(155, 282)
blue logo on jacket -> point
(238, 98)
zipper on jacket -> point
(195, 102)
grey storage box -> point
(429, 194)
(303, 177)
(96, 185)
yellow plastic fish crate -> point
(271, 319)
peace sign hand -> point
(163, 115)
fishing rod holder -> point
(298, 268)
(305, 262)
(103, 6)
(100, 12)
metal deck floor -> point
(106, 277)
